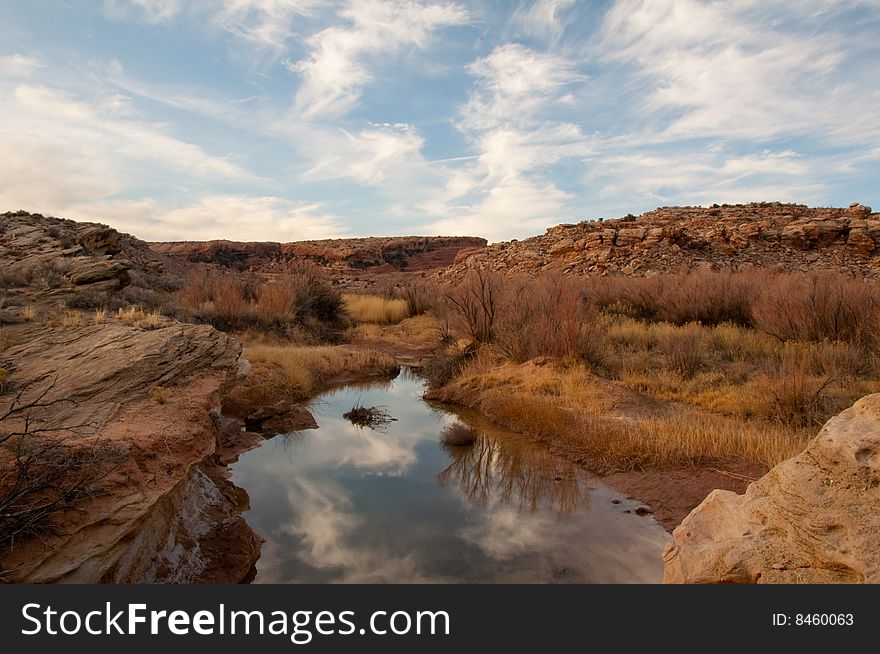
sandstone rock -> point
(90, 271)
(100, 239)
(562, 247)
(811, 519)
(675, 239)
(94, 384)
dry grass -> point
(375, 309)
(417, 332)
(71, 319)
(306, 368)
(100, 316)
(27, 313)
(570, 410)
(131, 316)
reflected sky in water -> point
(343, 504)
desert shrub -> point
(819, 306)
(317, 297)
(474, 304)
(419, 297)
(164, 283)
(43, 470)
(196, 290)
(159, 394)
(276, 302)
(542, 316)
(704, 296)
(227, 294)
(796, 396)
(89, 298)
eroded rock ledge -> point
(811, 519)
(164, 512)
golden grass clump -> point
(375, 309)
(27, 313)
(130, 316)
(71, 319)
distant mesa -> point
(350, 256)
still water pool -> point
(345, 504)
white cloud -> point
(367, 156)
(239, 217)
(334, 72)
(19, 65)
(543, 18)
(515, 84)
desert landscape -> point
(699, 381)
(343, 293)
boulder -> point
(89, 271)
(810, 519)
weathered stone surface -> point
(89, 272)
(95, 382)
(811, 519)
(788, 237)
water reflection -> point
(341, 504)
(512, 472)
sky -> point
(298, 119)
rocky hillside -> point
(811, 519)
(348, 256)
(676, 239)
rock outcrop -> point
(350, 255)
(811, 519)
(789, 237)
(116, 414)
(162, 500)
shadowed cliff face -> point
(789, 237)
(371, 255)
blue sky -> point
(295, 119)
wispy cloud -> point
(546, 19)
(334, 73)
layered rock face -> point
(811, 519)
(676, 239)
(128, 407)
(85, 255)
(161, 498)
(353, 255)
